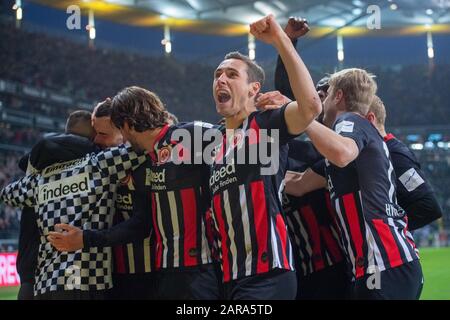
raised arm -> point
(307, 107)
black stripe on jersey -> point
(348, 242)
(362, 224)
(269, 224)
(397, 242)
(384, 256)
(201, 214)
(166, 221)
(238, 227)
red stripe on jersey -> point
(389, 243)
(260, 216)
(331, 244)
(120, 259)
(190, 225)
(158, 252)
(313, 228)
(355, 231)
(282, 232)
(223, 237)
(254, 135)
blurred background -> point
(60, 56)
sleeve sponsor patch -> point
(345, 126)
(411, 180)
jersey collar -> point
(388, 137)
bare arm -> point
(298, 184)
(307, 107)
(337, 149)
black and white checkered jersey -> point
(82, 193)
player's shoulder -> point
(399, 150)
(195, 125)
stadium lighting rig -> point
(19, 11)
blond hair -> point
(358, 87)
(379, 110)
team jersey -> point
(247, 209)
(311, 220)
(373, 227)
(135, 257)
(81, 193)
(411, 182)
(180, 198)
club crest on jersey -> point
(128, 182)
(164, 155)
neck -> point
(382, 131)
(234, 121)
(147, 139)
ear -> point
(254, 90)
(339, 96)
(371, 117)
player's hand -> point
(267, 30)
(292, 179)
(69, 239)
(271, 100)
(296, 28)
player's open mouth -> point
(223, 97)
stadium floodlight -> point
(19, 13)
(91, 25)
(340, 48)
(429, 12)
(430, 45)
(393, 7)
(251, 47)
(166, 42)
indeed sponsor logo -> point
(124, 199)
(217, 175)
(62, 188)
(156, 177)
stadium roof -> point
(231, 17)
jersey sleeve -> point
(320, 168)
(20, 193)
(354, 127)
(117, 161)
(274, 120)
(411, 182)
(134, 229)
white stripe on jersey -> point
(130, 251)
(175, 227)
(273, 239)
(305, 238)
(246, 228)
(400, 239)
(349, 242)
(391, 168)
(231, 234)
(379, 265)
(206, 253)
(147, 266)
(161, 230)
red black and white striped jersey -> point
(373, 226)
(135, 257)
(179, 197)
(247, 209)
(313, 231)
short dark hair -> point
(79, 123)
(103, 109)
(140, 108)
(254, 71)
